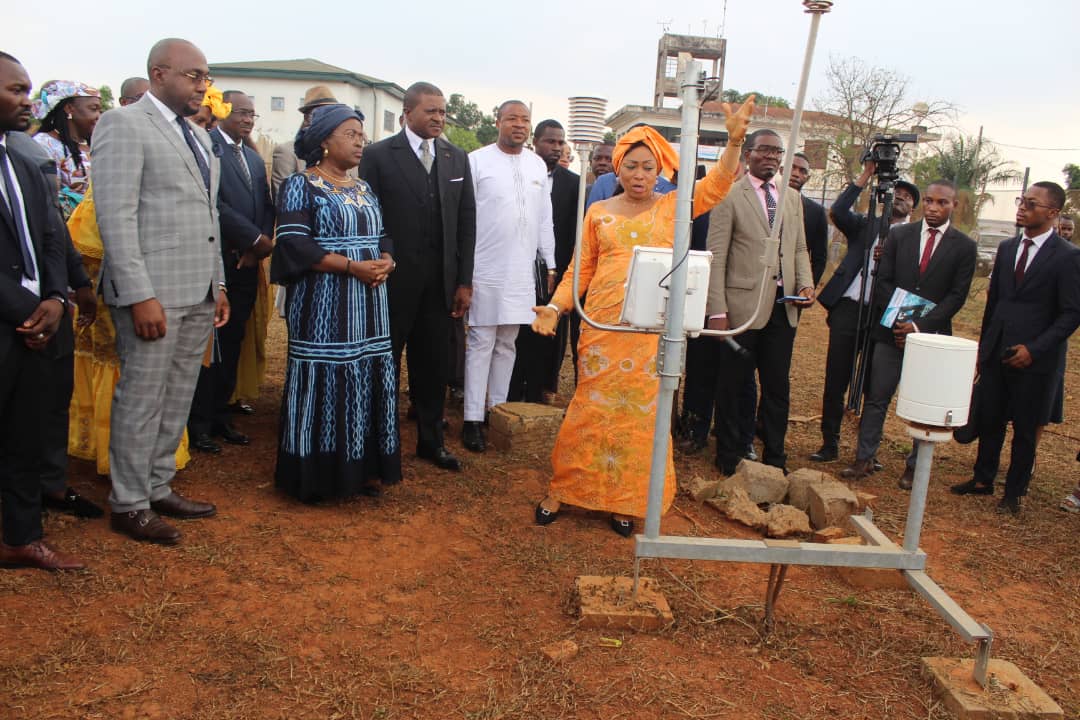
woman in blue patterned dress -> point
(339, 434)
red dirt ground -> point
(434, 600)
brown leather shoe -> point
(177, 506)
(36, 555)
(145, 526)
(858, 470)
(906, 480)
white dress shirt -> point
(855, 291)
(415, 141)
(924, 236)
(171, 117)
(1036, 243)
(34, 285)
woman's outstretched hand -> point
(738, 122)
(546, 320)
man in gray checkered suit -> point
(155, 187)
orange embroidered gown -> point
(603, 451)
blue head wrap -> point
(325, 119)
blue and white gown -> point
(339, 408)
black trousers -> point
(24, 398)
(456, 354)
(845, 336)
(58, 381)
(770, 350)
(1006, 394)
(532, 366)
(562, 339)
(210, 406)
(420, 321)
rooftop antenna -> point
(665, 25)
(723, 21)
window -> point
(277, 103)
(388, 121)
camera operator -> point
(935, 261)
(843, 295)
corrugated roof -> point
(303, 68)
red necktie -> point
(928, 250)
(1021, 264)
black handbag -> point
(540, 277)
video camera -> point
(884, 151)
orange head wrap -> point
(661, 149)
(213, 100)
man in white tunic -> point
(513, 225)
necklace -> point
(336, 180)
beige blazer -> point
(738, 230)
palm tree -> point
(971, 164)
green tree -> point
(106, 98)
(609, 137)
(971, 165)
(732, 95)
(1072, 176)
(1072, 190)
(462, 137)
(468, 116)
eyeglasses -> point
(352, 135)
(196, 76)
(769, 150)
(1029, 204)
(245, 113)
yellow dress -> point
(603, 450)
(97, 366)
(251, 368)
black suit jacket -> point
(16, 302)
(398, 179)
(246, 211)
(817, 236)
(1041, 313)
(564, 217)
(946, 281)
(859, 235)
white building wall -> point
(278, 122)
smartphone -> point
(790, 298)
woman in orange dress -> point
(602, 453)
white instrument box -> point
(647, 289)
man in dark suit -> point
(846, 300)
(1032, 308)
(935, 261)
(425, 187)
(539, 359)
(247, 226)
(33, 285)
(814, 220)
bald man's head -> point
(178, 75)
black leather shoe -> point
(751, 453)
(858, 470)
(178, 506)
(145, 526)
(1009, 506)
(725, 470)
(625, 528)
(544, 516)
(231, 435)
(440, 458)
(972, 488)
(826, 453)
(906, 480)
(73, 504)
(204, 444)
(875, 465)
(691, 443)
(241, 409)
(472, 436)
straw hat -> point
(316, 96)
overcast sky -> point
(1010, 67)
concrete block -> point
(524, 427)
(825, 535)
(763, 483)
(785, 520)
(736, 504)
(609, 602)
(831, 504)
(701, 489)
(865, 500)
(799, 483)
(560, 651)
(1010, 695)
